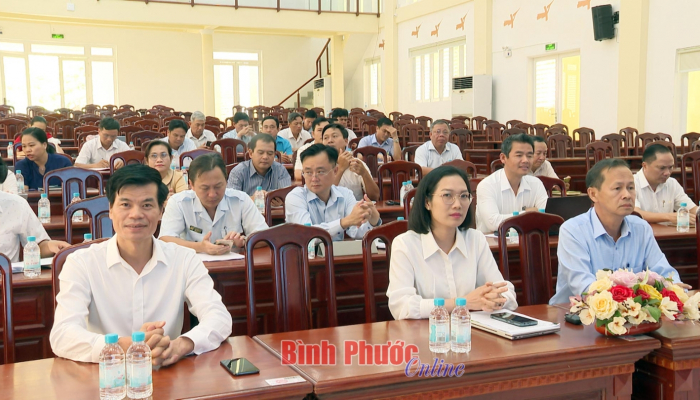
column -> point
(632, 64)
(208, 71)
(337, 71)
(390, 61)
(483, 46)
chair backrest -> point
(641, 141)
(228, 149)
(688, 139)
(619, 144)
(368, 127)
(585, 136)
(560, 126)
(630, 135)
(8, 334)
(463, 138)
(408, 198)
(495, 165)
(127, 158)
(467, 166)
(353, 143)
(97, 208)
(386, 233)
(424, 121)
(540, 130)
(691, 160)
(535, 260)
(550, 183)
(527, 128)
(141, 138)
(668, 145)
(478, 123)
(192, 154)
(399, 171)
(513, 123)
(415, 133)
(560, 146)
(598, 150)
(57, 265)
(512, 131)
(65, 128)
(291, 277)
(73, 180)
(409, 153)
(394, 115)
(276, 194)
(148, 124)
(370, 155)
(494, 130)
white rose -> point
(602, 274)
(690, 307)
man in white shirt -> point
(295, 134)
(340, 115)
(510, 188)
(198, 218)
(317, 130)
(242, 129)
(197, 133)
(352, 172)
(17, 223)
(96, 153)
(659, 195)
(325, 205)
(540, 165)
(177, 130)
(438, 150)
(309, 117)
(133, 282)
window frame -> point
(368, 82)
(558, 95)
(433, 70)
(236, 85)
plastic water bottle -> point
(683, 218)
(112, 370)
(185, 176)
(44, 209)
(173, 164)
(512, 233)
(10, 150)
(259, 197)
(461, 327)
(541, 210)
(20, 181)
(131, 146)
(399, 218)
(87, 238)
(312, 246)
(78, 215)
(32, 258)
(139, 380)
(409, 187)
(402, 192)
(439, 341)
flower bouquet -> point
(623, 302)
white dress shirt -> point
(185, 217)
(298, 142)
(428, 156)
(93, 151)
(666, 199)
(187, 145)
(351, 134)
(354, 182)
(495, 200)
(10, 184)
(17, 222)
(544, 170)
(419, 271)
(297, 163)
(207, 136)
(101, 293)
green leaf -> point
(659, 286)
(601, 322)
(617, 314)
(635, 287)
(584, 294)
(638, 299)
(653, 302)
(654, 312)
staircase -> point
(307, 100)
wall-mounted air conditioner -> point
(472, 95)
(322, 94)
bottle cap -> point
(31, 238)
(307, 224)
(43, 195)
(172, 167)
(515, 213)
(438, 302)
(87, 236)
(259, 188)
(399, 219)
(76, 194)
(19, 171)
(684, 204)
(541, 210)
(461, 301)
(404, 184)
(138, 336)
(111, 338)
(131, 142)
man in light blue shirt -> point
(177, 130)
(607, 236)
(242, 129)
(261, 170)
(325, 205)
(386, 137)
(271, 126)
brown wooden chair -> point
(465, 120)
(291, 279)
(691, 160)
(408, 117)
(89, 119)
(466, 166)
(407, 202)
(228, 149)
(91, 108)
(127, 158)
(619, 144)
(370, 155)
(585, 136)
(463, 138)
(57, 265)
(87, 128)
(129, 130)
(689, 138)
(494, 131)
(495, 165)
(550, 184)
(513, 123)
(192, 154)
(668, 145)
(424, 121)
(73, 180)
(598, 150)
(386, 233)
(695, 146)
(409, 153)
(65, 129)
(129, 121)
(540, 130)
(479, 123)
(415, 134)
(148, 124)
(8, 333)
(353, 143)
(398, 171)
(394, 115)
(560, 146)
(512, 131)
(529, 129)
(367, 127)
(560, 126)
(630, 135)
(276, 194)
(143, 137)
(535, 260)
(454, 125)
(641, 141)
(97, 208)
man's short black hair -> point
(277, 122)
(38, 118)
(384, 121)
(136, 175)
(420, 219)
(595, 178)
(261, 137)
(319, 148)
(507, 144)
(39, 135)
(539, 139)
(652, 150)
(177, 123)
(316, 122)
(206, 163)
(293, 116)
(240, 116)
(109, 124)
(339, 112)
(339, 127)
(310, 114)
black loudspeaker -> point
(603, 24)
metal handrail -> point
(319, 73)
(235, 5)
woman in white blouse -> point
(440, 256)
(8, 182)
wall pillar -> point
(483, 42)
(208, 71)
(390, 62)
(337, 71)
(632, 64)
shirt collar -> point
(252, 171)
(310, 196)
(100, 146)
(599, 229)
(113, 256)
(430, 246)
(199, 208)
(373, 140)
(643, 182)
(505, 184)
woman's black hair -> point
(3, 171)
(419, 220)
(39, 135)
(154, 143)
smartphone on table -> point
(513, 319)
(240, 366)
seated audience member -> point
(133, 280)
(352, 172)
(438, 150)
(8, 182)
(271, 126)
(158, 157)
(242, 129)
(309, 117)
(511, 188)
(261, 170)
(340, 116)
(317, 131)
(197, 218)
(96, 153)
(40, 159)
(177, 130)
(325, 205)
(540, 166)
(295, 134)
(440, 256)
(386, 137)
(17, 222)
(202, 138)
(40, 122)
(606, 237)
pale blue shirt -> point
(371, 140)
(585, 248)
(428, 156)
(187, 145)
(302, 206)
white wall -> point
(365, 48)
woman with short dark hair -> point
(40, 158)
(440, 256)
(159, 157)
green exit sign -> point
(56, 36)
(550, 47)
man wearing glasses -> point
(438, 150)
(325, 205)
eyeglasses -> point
(319, 174)
(155, 156)
(449, 198)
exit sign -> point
(56, 36)
(550, 47)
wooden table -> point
(576, 363)
(193, 377)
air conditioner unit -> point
(322, 94)
(472, 95)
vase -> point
(631, 329)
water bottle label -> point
(111, 377)
(44, 213)
(438, 333)
(140, 375)
(461, 334)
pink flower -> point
(625, 278)
(651, 279)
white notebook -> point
(482, 320)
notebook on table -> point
(482, 320)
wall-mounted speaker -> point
(603, 22)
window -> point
(557, 90)
(434, 68)
(373, 82)
(15, 84)
(103, 82)
(689, 70)
(237, 81)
